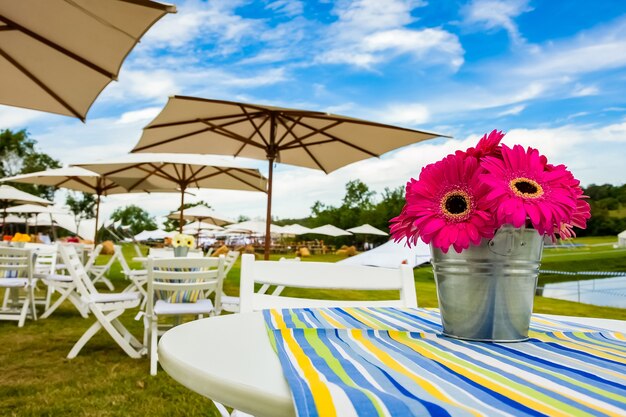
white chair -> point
(169, 253)
(16, 274)
(44, 266)
(180, 283)
(231, 304)
(106, 308)
(137, 277)
(98, 272)
(321, 275)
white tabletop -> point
(229, 359)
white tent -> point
(330, 230)
(366, 229)
(621, 239)
(153, 234)
(252, 226)
(392, 255)
(295, 229)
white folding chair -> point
(106, 308)
(98, 272)
(231, 304)
(137, 277)
(16, 275)
(169, 253)
(321, 275)
(44, 266)
(176, 287)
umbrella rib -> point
(359, 148)
(225, 132)
(289, 130)
(304, 146)
(194, 175)
(200, 119)
(141, 168)
(294, 144)
(249, 139)
(226, 172)
(59, 48)
(256, 129)
(174, 139)
(41, 85)
(315, 132)
(100, 19)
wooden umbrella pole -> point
(95, 233)
(182, 203)
(268, 216)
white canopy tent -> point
(366, 229)
(392, 255)
(295, 229)
(251, 226)
(330, 230)
(621, 239)
(157, 234)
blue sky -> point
(551, 73)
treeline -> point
(608, 210)
(361, 205)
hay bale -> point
(304, 252)
(249, 249)
(222, 250)
(351, 251)
(107, 248)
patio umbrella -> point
(36, 209)
(297, 137)
(178, 173)
(76, 179)
(58, 55)
(366, 229)
(252, 226)
(11, 195)
(203, 214)
(330, 230)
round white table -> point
(229, 359)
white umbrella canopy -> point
(76, 179)
(198, 225)
(202, 213)
(33, 208)
(309, 139)
(366, 229)
(153, 234)
(58, 55)
(252, 226)
(161, 172)
(330, 230)
(295, 229)
(11, 195)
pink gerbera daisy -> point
(488, 145)
(523, 187)
(446, 206)
(582, 211)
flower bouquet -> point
(19, 240)
(493, 205)
(181, 244)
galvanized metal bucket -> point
(486, 292)
(181, 251)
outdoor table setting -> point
(392, 361)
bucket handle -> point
(506, 240)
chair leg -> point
(128, 336)
(154, 334)
(49, 292)
(5, 302)
(106, 322)
(24, 312)
(33, 306)
(65, 294)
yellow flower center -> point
(526, 188)
(455, 204)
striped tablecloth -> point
(394, 362)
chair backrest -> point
(118, 254)
(15, 262)
(92, 258)
(138, 251)
(321, 275)
(77, 270)
(45, 260)
(169, 253)
(230, 259)
(178, 276)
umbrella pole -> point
(95, 233)
(54, 232)
(268, 217)
(4, 220)
(182, 203)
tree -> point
(82, 205)
(172, 224)
(18, 155)
(358, 196)
(137, 218)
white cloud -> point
(143, 115)
(496, 14)
(368, 32)
(583, 91)
(15, 117)
(512, 110)
(406, 114)
(287, 7)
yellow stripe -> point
(486, 382)
(278, 318)
(389, 361)
(332, 321)
(321, 394)
(359, 315)
(600, 351)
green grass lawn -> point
(37, 380)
